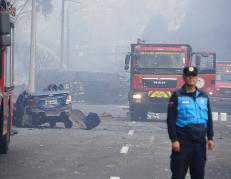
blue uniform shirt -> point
(185, 109)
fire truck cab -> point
(221, 99)
(155, 71)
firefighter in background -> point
(189, 120)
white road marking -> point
(223, 116)
(133, 122)
(110, 166)
(215, 116)
(114, 177)
(151, 140)
(131, 132)
(123, 107)
(124, 149)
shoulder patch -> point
(202, 101)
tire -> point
(4, 144)
(52, 123)
(134, 116)
(68, 123)
(137, 114)
(144, 115)
(4, 141)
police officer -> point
(189, 120)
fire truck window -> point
(206, 62)
(183, 62)
(11, 66)
(161, 60)
(223, 77)
(218, 77)
(8, 67)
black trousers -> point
(192, 155)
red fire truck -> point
(156, 71)
(206, 64)
(6, 78)
(221, 99)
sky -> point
(101, 31)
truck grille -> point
(159, 82)
(225, 91)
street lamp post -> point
(62, 32)
(31, 83)
(68, 40)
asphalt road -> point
(116, 149)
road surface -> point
(116, 149)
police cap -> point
(190, 71)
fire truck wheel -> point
(134, 116)
(4, 143)
(52, 123)
(144, 115)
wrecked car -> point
(37, 108)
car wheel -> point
(68, 123)
(144, 115)
(4, 144)
(52, 123)
(5, 140)
(134, 116)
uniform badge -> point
(191, 69)
(185, 102)
(202, 101)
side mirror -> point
(126, 67)
(4, 23)
(127, 60)
(5, 40)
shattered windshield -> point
(157, 60)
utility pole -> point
(68, 40)
(62, 34)
(31, 83)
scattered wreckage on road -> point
(52, 105)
